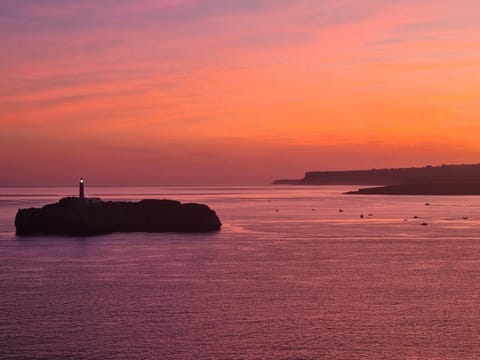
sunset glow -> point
(233, 92)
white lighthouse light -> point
(81, 190)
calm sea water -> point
(306, 281)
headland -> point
(426, 188)
(428, 180)
(443, 173)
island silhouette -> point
(83, 216)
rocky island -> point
(81, 216)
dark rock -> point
(73, 216)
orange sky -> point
(234, 92)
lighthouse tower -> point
(81, 189)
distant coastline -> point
(428, 180)
(443, 173)
(427, 188)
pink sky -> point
(233, 92)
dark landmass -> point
(423, 188)
(73, 216)
(443, 174)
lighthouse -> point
(81, 189)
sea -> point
(294, 273)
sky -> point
(185, 92)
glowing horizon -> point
(232, 92)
